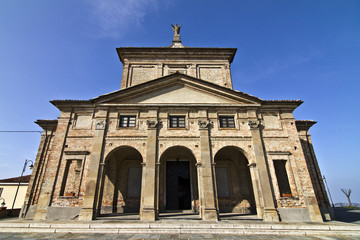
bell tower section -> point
(145, 64)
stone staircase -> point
(182, 227)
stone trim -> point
(76, 152)
(279, 153)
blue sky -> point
(299, 49)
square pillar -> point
(269, 210)
(148, 211)
(88, 210)
(207, 194)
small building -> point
(176, 137)
(8, 188)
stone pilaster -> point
(269, 211)
(53, 162)
(125, 76)
(256, 189)
(88, 208)
(208, 208)
(148, 211)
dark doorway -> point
(178, 191)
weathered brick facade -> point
(120, 153)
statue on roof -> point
(176, 29)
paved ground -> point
(342, 215)
(31, 236)
(347, 215)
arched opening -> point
(178, 190)
(233, 182)
(121, 188)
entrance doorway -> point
(178, 190)
(178, 185)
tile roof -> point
(23, 179)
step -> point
(184, 228)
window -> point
(1, 190)
(282, 178)
(127, 121)
(177, 121)
(227, 122)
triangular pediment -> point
(177, 89)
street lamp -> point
(332, 203)
(22, 173)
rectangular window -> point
(177, 121)
(227, 122)
(1, 190)
(282, 178)
(127, 121)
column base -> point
(148, 214)
(210, 214)
(86, 214)
(40, 215)
(270, 215)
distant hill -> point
(346, 204)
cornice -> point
(166, 53)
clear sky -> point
(299, 49)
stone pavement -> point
(175, 229)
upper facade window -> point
(227, 122)
(127, 121)
(177, 121)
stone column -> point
(87, 211)
(148, 211)
(269, 211)
(208, 208)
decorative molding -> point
(254, 124)
(152, 123)
(77, 152)
(204, 124)
(279, 153)
(100, 125)
(251, 165)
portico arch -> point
(233, 182)
(178, 185)
(121, 188)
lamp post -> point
(22, 173)
(332, 203)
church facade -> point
(176, 137)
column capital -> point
(100, 125)
(204, 124)
(254, 124)
(252, 165)
(152, 124)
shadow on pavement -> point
(348, 215)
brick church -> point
(176, 138)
